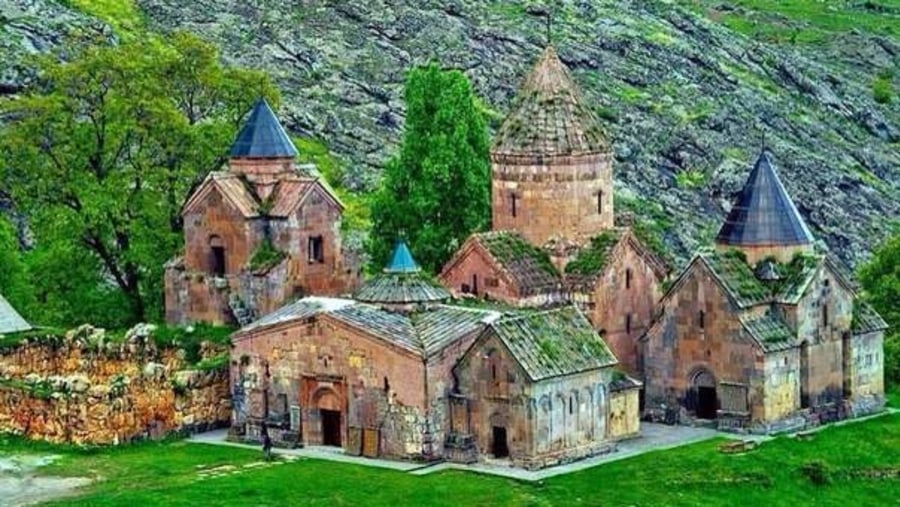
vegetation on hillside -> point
(436, 191)
(99, 155)
(880, 280)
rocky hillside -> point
(686, 99)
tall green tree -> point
(880, 280)
(103, 149)
(14, 285)
(437, 190)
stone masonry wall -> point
(556, 196)
(81, 389)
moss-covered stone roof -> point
(549, 116)
(741, 282)
(401, 289)
(592, 259)
(529, 266)
(553, 343)
(866, 319)
(770, 331)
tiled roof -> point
(426, 332)
(232, 188)
(262, 136)
(553, 343)
(763, 213)
(401, 283)
(771, 332)
(736, 277)
(401, 289)
(528, 266)
(444, 324)
(287, 195)
(393, 327)
(298, 310)
(10, 320)
(549, 116)
(866, 319)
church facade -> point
(258, 234)
(762, 332)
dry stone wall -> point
(84, 389)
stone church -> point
(762, 332)
(554, 237)
(258, 234)
(396, 372)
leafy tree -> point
(880, 279)
(14, 284)
(103, 149)
(437, 190)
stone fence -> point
(83, 388)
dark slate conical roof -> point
(763, 213)
(549, 116)
(401, 283)
(262, 136)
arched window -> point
(217, 256)
(825, 314)
(702, 319)
(628, 276)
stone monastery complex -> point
(588, 332)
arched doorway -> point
(499, 437)
(329, 405)
(703, 384)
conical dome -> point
(401, 283)
(549, 116)
(764, 214)
(262, 136)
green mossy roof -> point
(866, 319)
(529, 266)
(593, 258)
(553, 343)
(549, 116)
(740, 279)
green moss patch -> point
(592, 259)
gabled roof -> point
(401, 283)
(769, 331)
(553, 343)
(289, 192)
(231, 188)
(592, 261)
(262, 136)
(423, 333)
(10, 320)
(763, 213)
(866, 319)
(549, 116)
(524, 265)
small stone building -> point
(261, 233)
(763, 333)
(538, 388)
(378, 375)
(10, 320)
(503, 266)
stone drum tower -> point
(551, 162)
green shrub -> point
(882, 88)
(817, 472)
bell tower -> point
(551, 163)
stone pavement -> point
(653, 437)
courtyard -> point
(847, 464)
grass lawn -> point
(169, 474)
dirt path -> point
(20, 486)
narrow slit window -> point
(316, 250)
(600, 202)
(628, 324)
(702, 319)
(513, 198)
(628, 276)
